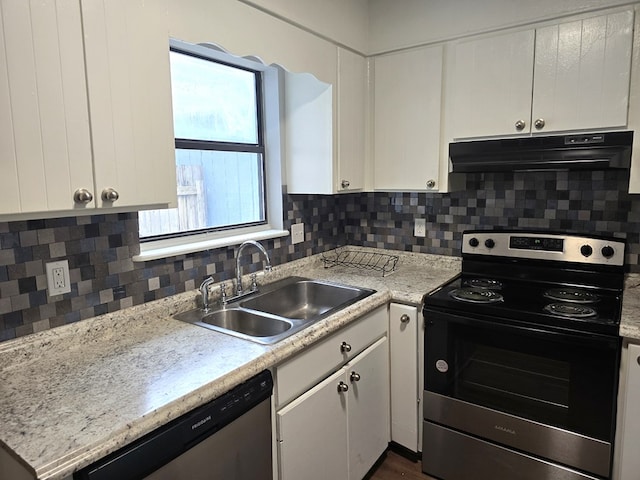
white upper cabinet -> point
(571, 76)
(85, 104)
(352, 98)
(129, 85)
(490, 85)
(581, 73)
(407, 104)
(309, 134)
(320, 158)
(44, 120)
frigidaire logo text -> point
(201, 422)
(504, 429)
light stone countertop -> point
(71, 395)
(74, 394)
(630, 321)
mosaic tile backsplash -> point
(104, 278)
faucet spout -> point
(267, 262)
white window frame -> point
(271, 95)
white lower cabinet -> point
(629, 439)
(339, 427)
(313, 433)
(405, 341)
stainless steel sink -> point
(239, 320)
(279, 310)
(304, 299)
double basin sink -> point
(279, 310)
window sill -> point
(172, 248)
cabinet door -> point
(582, 72)
(403, 346)
(129, 86)
(368, 412)
(407, 100)
(309, 134)
(44, 123)
(312, 433)
(630, 461)
(490, 85)
(352, 94)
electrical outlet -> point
(58, 277)
(297, 233)
(420, 227)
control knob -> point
(489, 243)
(473, 241)
(586, 250)
(607, 251)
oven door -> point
(546, 393)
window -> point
(227, 166)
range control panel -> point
(543, 246)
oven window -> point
(540, 377)
(514, 382)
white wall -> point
(245, 30)
(346, 22)
(405, 23)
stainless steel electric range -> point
(521, 359)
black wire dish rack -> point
(360, 259)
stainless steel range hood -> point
(592, 151)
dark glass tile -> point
(91, 230)
(119, 292)
(87, 272)
(13, 319)
(115, 241)
(27, 284)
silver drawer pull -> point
(345, 347)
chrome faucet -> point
(204, 291)
(267, 261)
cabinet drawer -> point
(306, 369)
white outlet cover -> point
(297, 233)
(58, 281)
(420, 227)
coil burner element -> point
(476, 295)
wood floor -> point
(396, 467)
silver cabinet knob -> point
(539, 123)
(405, 318)
(354, 377)
(520, 124)
(82, 195)
(345, 347)
(638, 359)
(343, 387)
(431, 183)
(345, 183)
(110, 195)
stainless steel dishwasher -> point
(229, 438)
